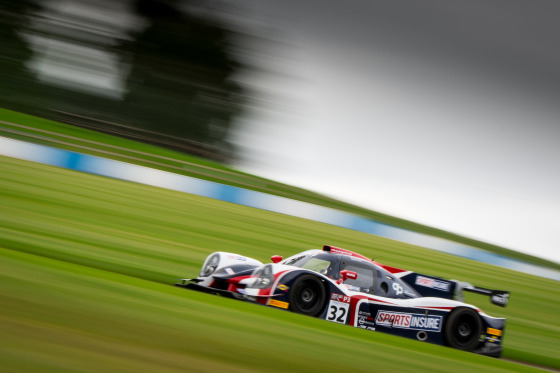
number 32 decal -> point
(338, 312)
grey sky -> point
(442, 112)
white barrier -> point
(140, 174)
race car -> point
(345, 287)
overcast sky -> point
(441, 112)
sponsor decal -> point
(365, 320)
(432, 283)
(236, 257)
(398, 288)
(341, 298)
(279, 304)
(364, 313)
(410, 321)
(492, 331)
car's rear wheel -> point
(308, 295)
(463, 329)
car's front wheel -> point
(308, 295)
(463, 329)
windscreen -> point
(316, 261)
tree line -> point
(177, 70)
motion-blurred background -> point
(444, 113)
(159, 71)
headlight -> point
(210, 265)
(264, 278)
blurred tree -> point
(16, 80)
(180, 77)
(179, 69)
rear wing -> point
(497, 297)
(429, 286)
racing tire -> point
(308, 295)
(463, 329)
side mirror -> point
(276, 259)
(347, 274)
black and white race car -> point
(345, 287)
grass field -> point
(87, 265)
(42, 131)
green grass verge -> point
(78, 139)
(87, 264)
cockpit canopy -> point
(371, 279)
